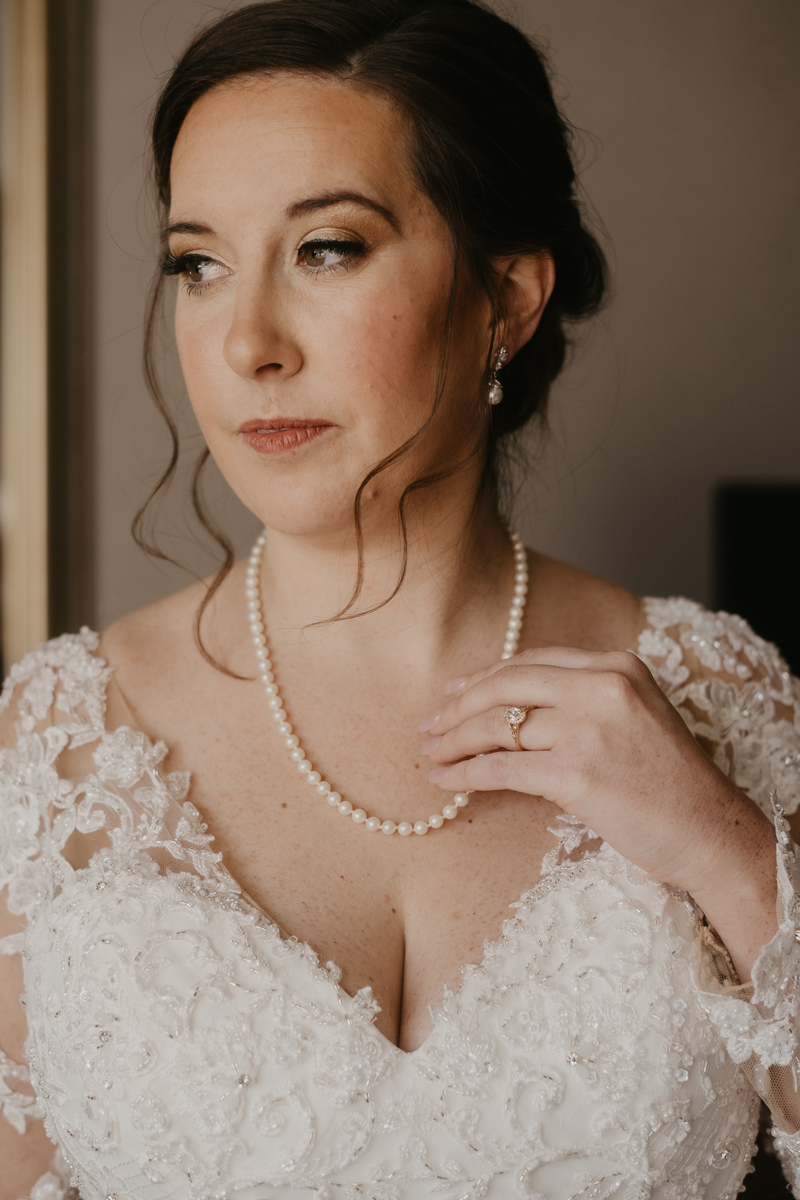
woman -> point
(370, 209)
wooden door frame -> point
(46, 346)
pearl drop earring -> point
(495, 386)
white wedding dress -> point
(180, 1047)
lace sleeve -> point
(739, 699)
(47, 704)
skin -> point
(353, 350)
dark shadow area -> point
(766, 1182)
(756, 528)
(71, 286)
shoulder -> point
(154, 636)
(159, 665)
(570, 607)
(64, 673)
(682, 641)
(734, 691)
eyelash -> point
(181, 264)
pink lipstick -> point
(281, 434)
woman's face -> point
(314, 284)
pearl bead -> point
(388, 827)
(359, 816)
(271, 690)
(279, 715)
(323, 787)
(292, 741)
(298, 754)
(449, 812)
(285, 728)
(373, 824)
(405, 828)
(345, 807)
(436, 821)
(515, 624)
(333, 798)
(461, 799)
(305, 766)
(313, 777)
(421, 827)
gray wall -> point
(690, 110)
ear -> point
(527, 281)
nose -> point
(258, 342)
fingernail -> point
(428, 722)
(455, 685)
(429, 746)
(438, 774)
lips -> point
(282, 434)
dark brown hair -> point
(488, 146)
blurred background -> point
(672, 463)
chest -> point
(400, 915)
(176, 1038)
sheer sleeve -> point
(51, 701)
(741, 702)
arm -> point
(26, 1152)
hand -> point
(603, 743)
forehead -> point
(281, 137)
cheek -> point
(383, 353)
(200, 339)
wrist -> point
(734, 882)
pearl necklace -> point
(290, 738)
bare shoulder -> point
(158, 665)
(570, 607)
(154, 637)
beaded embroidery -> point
(180, 1047)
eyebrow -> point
(299, 209)
(329, 199)
(196, 228)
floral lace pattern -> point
(180, 1047)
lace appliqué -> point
(735, 693)
(15, 1106)
(178, 1042)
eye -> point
(329, 254)
(198, 270)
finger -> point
(535, 773)
(554, 656)
(531, 686)
(490, 731)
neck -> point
(458, 577)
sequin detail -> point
(180, 1047)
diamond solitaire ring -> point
(515, 716)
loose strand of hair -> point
(142, 533)
(220, 575)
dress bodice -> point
(181, 1047)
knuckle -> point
(617, 688)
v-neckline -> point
(332, 970)
(491, 946)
